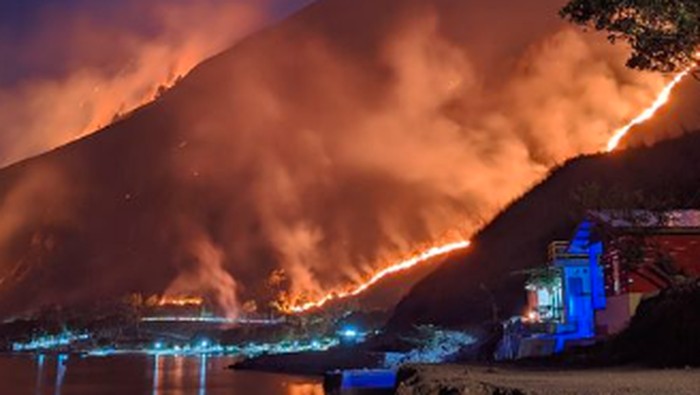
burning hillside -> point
(661, 100)
(290, 305)
(317, 151)
(421, 257)
(181, 301)
(56, 91)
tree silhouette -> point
(663, 34)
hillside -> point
(339, 139)
(226, 177)
(461, 292)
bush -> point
(665, 332)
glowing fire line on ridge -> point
(406, 264)
(661, 100)
(180, 301)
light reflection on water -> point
(61, 366)
(157, 375)
(203, 374)
(40, 360)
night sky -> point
(36, 36)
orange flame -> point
(295, 307)
(661, 100)
(181, 301)
(406, 264)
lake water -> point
(141, 374)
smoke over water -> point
(361, 130)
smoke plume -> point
(340, 161)
(87, 64)
(33, 213)
(203, 274)
(350, 134)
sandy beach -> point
(459, 379)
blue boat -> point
(360, 382)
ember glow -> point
(649, 113)
(406, 264)
(181, 301)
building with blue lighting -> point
(586, 292)
(563, 296)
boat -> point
(360, 382)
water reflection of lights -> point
(171, 370)
(61, 367)
(169, 374)
(156, 374)
(40, 360)
(179, 371)
(203, 374)
(304, 389)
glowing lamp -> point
(532, 316)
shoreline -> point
(490, 378)
(510, 379)
(312, 363)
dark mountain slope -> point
(324, 145)
(235, 170)
(461, 291)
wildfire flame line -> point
(180, 301)
(661, 100)
(406, 264)
(436, 251)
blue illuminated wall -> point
(583, 286)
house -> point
(593, 283)
(564, 295)
(644, 252)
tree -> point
(664, 34)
